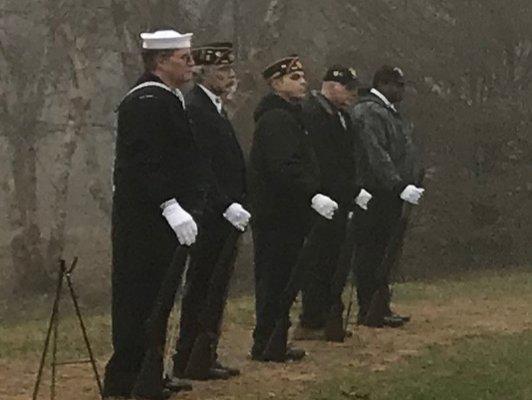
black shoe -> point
(212, 374)
(292, 354)
(389, 321)
(393, 322)
(231, 371)
(175, 385)
(295, 354)
(164, 395)
(405, 318)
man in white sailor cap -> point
(158, 196)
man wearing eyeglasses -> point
(285, 187)
(216, 138)
(393, 177)
(159, 191)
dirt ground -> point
(434, 321)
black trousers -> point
(195, 317)
(143, 246)
(277, 247)
(376, 231)
(317, 293)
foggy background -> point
(65, 65)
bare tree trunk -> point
(80, 101)
(26, 240)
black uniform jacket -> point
(157, 158)
(334, 146)
(393, 162)
(284, 172)
(219, 146)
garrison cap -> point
(343, 75)
(284, 66)
(219, 53)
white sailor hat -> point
(165, 40)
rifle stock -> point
(275, 349)
(334, 326)
(381, 298)
(149, 384)
(203, 353)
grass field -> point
(469, 338)
(488, 367)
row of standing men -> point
(323, 167)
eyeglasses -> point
(295, 76)
(187, 57)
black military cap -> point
(220, 53)
(344, 75)
(387, 74)
(284, 66)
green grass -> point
(474, 368)
(26, 339)
(489, 367)
(22, 334)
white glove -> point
(412, 194)
(181, 222)
(237, 216)
(324, 205)
(363, 199)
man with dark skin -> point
(334, 139)
(393, 176)
(284, 188)
(159, 191)
(218, 144)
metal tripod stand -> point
(53, 329)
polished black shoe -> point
(292, 354)
(393, 322)
(212, 374)
(389, 321)
(295, 354)
(164, 395)
(405, 318)
(176, 385)
(231, 371)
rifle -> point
(149, 383)
(203, 352)
(379, 306)
(275, 349)
(334, 326)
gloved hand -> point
(324, 205)
(363, 199)
(181, 222)
(238, 216)
(412, 194)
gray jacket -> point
(391, 160)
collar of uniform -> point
(151, 77)
(383, 98)
(180, 96)
(216, 100)
(324, 102)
